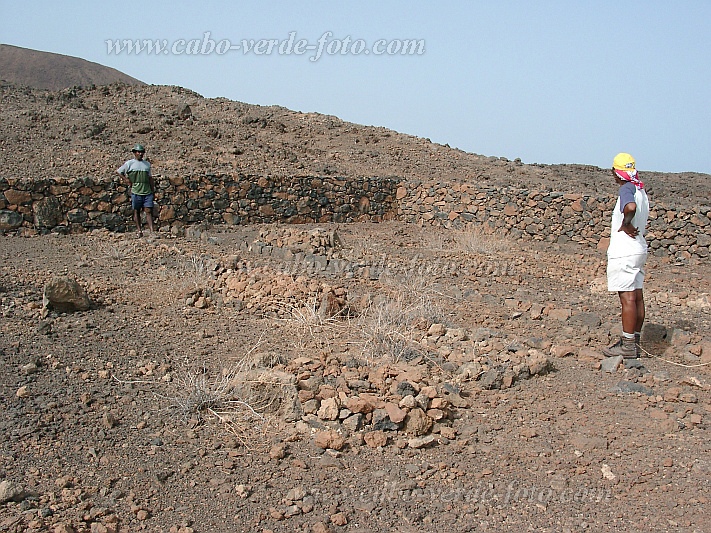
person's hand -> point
(629, 229)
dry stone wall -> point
(82, 204)
(681, 232)
(86, 203)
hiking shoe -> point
(624, 347)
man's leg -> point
(639, 302)
(626, 345)
(137, 204)
(623, 273)
(639, 297)
(628, 299)
(137, 220)
(149, 218)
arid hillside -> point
(335, 377)
(45, 70)
(89, 132)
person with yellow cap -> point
(627, 254)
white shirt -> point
(621, 244)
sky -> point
(545, 81)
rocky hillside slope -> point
(89, 132)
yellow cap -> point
(623, 161)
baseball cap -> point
(623, 161)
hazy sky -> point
(546, 81)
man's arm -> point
(628, 215)
(124, 174)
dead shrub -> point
(245, 399)
(388, 331)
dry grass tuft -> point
(392, 326)
(118, 250)
(242, 398)
(474, 240)
(311, 328)
(198, 270)
(387, 331)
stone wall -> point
(553, 216)
(85, 203)
(82, 204)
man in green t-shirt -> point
(140, 180)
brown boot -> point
(624, 347)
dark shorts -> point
(139, 201)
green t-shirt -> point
(139, 173)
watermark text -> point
(326, 45)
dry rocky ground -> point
(355, 378)
(421, 380)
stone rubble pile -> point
(347, 400)
(265, 291)
(316, 241)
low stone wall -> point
(552, 216)
(86, 203)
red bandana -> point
(631, 176)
